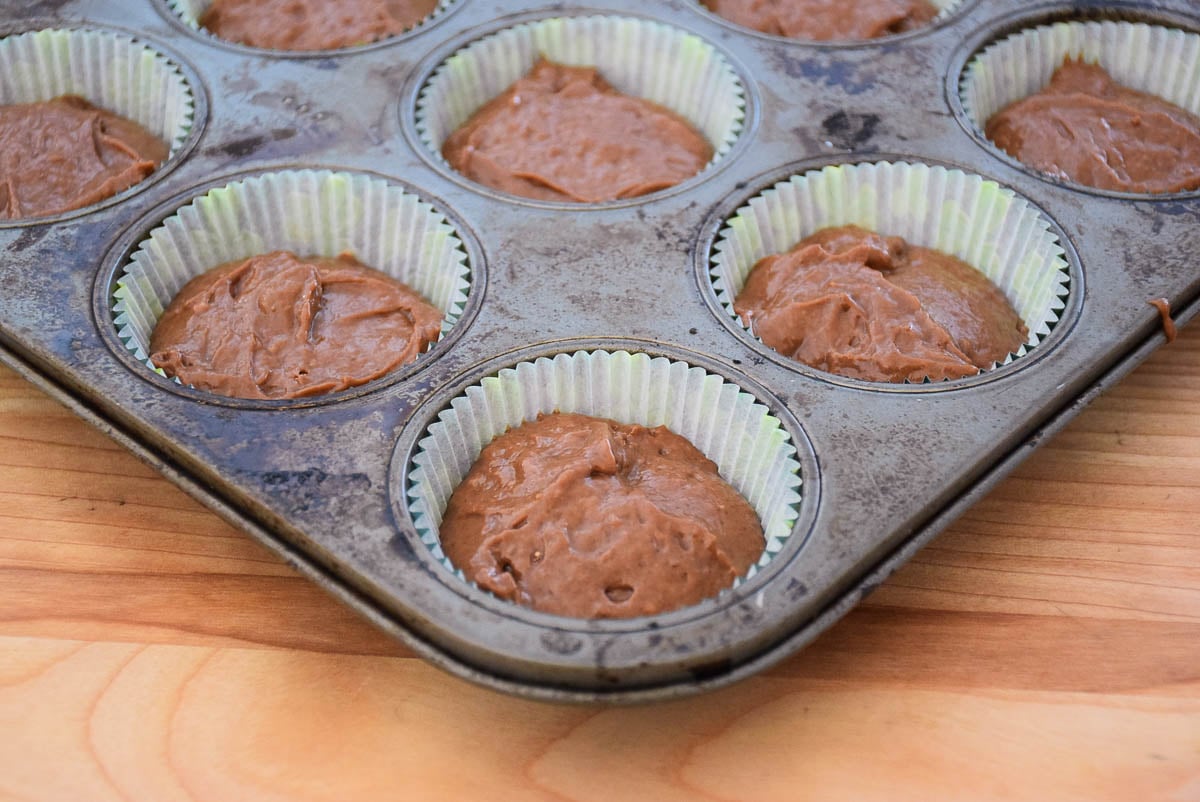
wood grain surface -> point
(1047, 647)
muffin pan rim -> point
(119, 253)
(1000, 28)
(191, 79)
(418, 80)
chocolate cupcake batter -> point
(827, 19)
(279, 326)
(1086, 128)
(562, 133)
(312, 24)
(858, 304)
(591, 518)
(65, 153)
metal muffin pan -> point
(322, 481)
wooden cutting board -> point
(1046, 647)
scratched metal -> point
(885, 469)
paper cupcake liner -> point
(309, 212)
(752, 449)
(110, 70)
(190, 11)
(985, 225)
(650, 60)
(945, 9)
(1149, 58)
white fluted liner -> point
(309, 212)
(637, 57)
(190, 11)
(110, 70)
(1149, 58)
(751, 448)
(987, 226)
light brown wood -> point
(1047, 647)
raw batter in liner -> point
(855, 303)
(312, 24)
(1085, 127)
(281, 326)
(65, 153)
(562, 133)
(827, 19)
(587, 517)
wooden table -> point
(1047, 647)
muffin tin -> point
(326, 482)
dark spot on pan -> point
(561, 642)
(1177, 208)
(240, 148)
(849, 131)
(246, 146)
(34, 8)
(748, 615)
(822, 71)
(28, 238)
(314, 489)
(402, 548)
(312, 476)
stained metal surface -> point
(885, 468)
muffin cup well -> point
(110, 70)
(752, 449)
(1154, 59)
(190, 11)
(308, 212)
(976, 220)
(641, 58)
